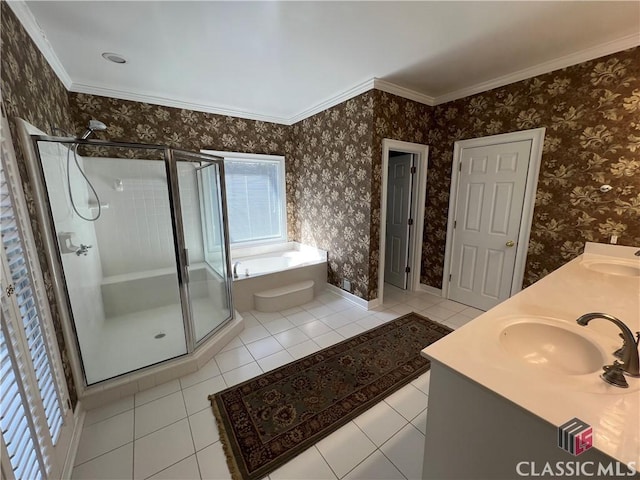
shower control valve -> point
(83, 250)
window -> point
(256, 203)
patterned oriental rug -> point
(266, 421)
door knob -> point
(510, 243)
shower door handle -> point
(186, 265)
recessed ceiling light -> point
(114, 57)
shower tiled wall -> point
(134, 232)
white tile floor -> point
(169, 432)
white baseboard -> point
(361, 302)
(78, 416)
(371, 304)
(431, 290)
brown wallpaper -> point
(398, 119)
(337, 174)
(31, 90)
(591, 112)
(186, 129)
(331, 187)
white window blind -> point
(255, 199)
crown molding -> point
(403, 92)
(374, 83)
(333, 101)
(28, 21)
(170, 102)
(598, 51)
(363, 87)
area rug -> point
(266, 421)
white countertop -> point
(475, 350)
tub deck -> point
(305, 264)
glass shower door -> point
(138, 243)
(112, 220)
(201, 192)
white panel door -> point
(491, 187)
(398, 213)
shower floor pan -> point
(136, 340)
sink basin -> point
(611, 268)
(549, 347)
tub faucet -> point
(637, 254)
(629, 349)
(235, 269)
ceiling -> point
(281, 61)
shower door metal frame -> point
(52, 250)
(181, 247)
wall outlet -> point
(613, 240)
(346, 285)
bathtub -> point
(273, 266)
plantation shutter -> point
(28, 308)
(35, 417)
(18, 430)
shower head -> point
(94, 126)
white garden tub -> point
(273, 266)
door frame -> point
(421, 153)
(536, 136)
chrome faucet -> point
(83, 250)
(235, 269)
(629, 352)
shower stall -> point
(141, 248)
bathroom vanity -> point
(503, 384)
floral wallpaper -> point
(186, 129)
(336, 170)
(31, 90)
(398, 119)
(331, 187)
(591, 112)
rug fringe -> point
(224, 439)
